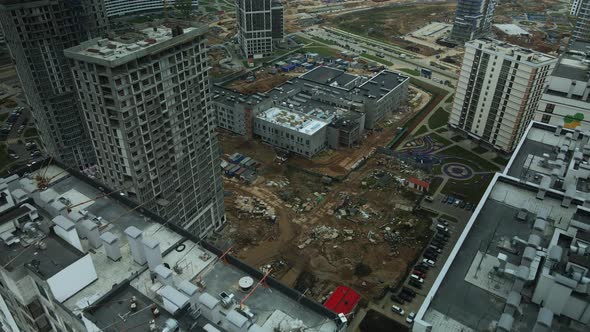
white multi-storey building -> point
(575, 8)
(259, 24)
(498, 91)
(566, 101)
(124, 7)
(146, 99)
(582, 27)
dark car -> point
(396, 299)
(469, 206)
(405, 297)
(445, 198)
(450, 200)
(408, 290)
(431, 257)
(463, 204)
(420, 268)
(415, 284)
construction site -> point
(313, 219)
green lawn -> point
(376, 59)
(479, 150)
(440, 139)
(461, 153)
(420, 131)
(30, 132)
(472, 190)
(4, 158)
(450, 98)
(457, 138)
(410, 71)
(325, 41)
(4, 116)
(501, 161)
(442, 130)
(438, 119)
(434, 184)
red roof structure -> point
(343, 300)
(419, 182)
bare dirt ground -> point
(358, 231)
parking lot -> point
(440, 204)
(454, 227)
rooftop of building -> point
(383, 83)
(292, 120)
(332, 77)
(527, 56)
(469, 293)
(574, 62)
(190, 262)
(553, 158)
(525, 228)
(122, 48)
(512, 29)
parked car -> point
(397, 299)
(429, 199)
(417, 278)
(14, 156)
(410, 318)
(443, 221)
(431, 257)
(435, 248)
(419, 273)
(442, 228)
(405, 297)
(409, 291)
(428, 262)
(415, 284)
(420, 268)
(469, 206)
(450, 200)
(397, 309)
(445, 198)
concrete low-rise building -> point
(349, 104)
(291, 131)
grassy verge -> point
(434, 184)
(377, 59)
(501, 161)
(321, 50)
(420, 131)
(438, 119)
(457, 138)
(442, 130)
(325, 41)
(479, 150)
(472, 190)
(4, 158)
(440, 139)
(410, 71)
(30, 132)
(3, 116)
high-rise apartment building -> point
(260, 24)
(498, 91)
(473, 19)
(575, 7)
(146, 99)
(36, 33)
(582, 28)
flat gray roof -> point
(330, 76)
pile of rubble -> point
(279, 183)
(254, 206)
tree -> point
(185, 7)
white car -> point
(410, 318)
(428, 262)
(417, 278)
(397, 309)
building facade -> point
(259, 24)
(498, 92)
(575, 7)
(125, 7)
(148, 106)
(582, 27)
(291, 131)
(473, 19)
(36, 33)
(566, 100)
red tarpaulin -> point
(343, 300)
